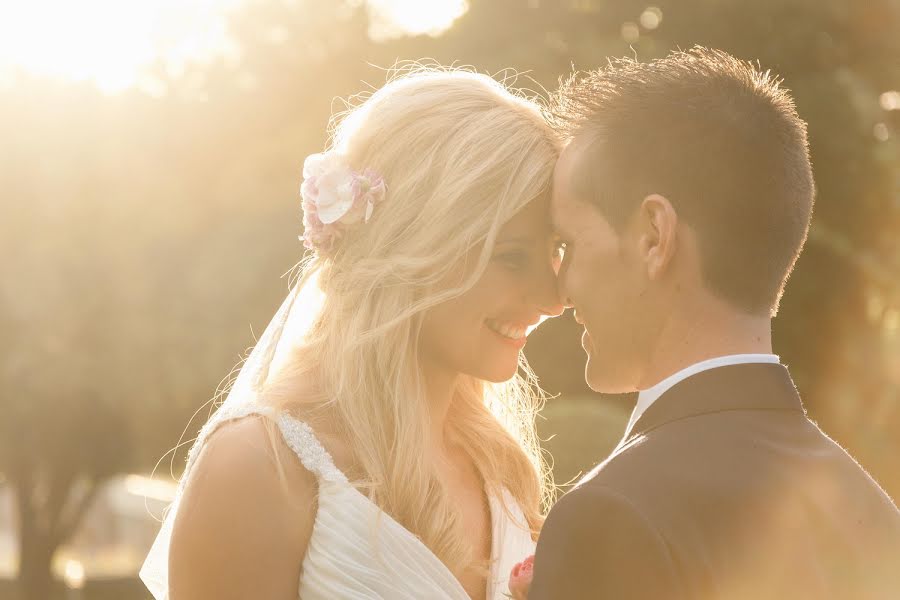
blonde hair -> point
(461, 154)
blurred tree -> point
(121, 218)
(62, 431)
(142, 238)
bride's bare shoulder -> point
(242, 529)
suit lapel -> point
(753, 386)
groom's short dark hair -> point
(716, 136)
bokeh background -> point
(150, 156)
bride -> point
(379, 440)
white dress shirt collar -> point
(650, 395)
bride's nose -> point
(545, 292)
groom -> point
(684, 198)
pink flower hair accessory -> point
(335, 198)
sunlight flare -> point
(395, 18)
(112, 43)
(109, 42)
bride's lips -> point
(508, 332)
(586, 340)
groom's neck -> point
(701, 332)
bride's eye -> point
(515, 260)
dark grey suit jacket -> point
(724, 489)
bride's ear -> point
(658, 234)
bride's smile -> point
(481, 332)
(508, 330)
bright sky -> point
(108, 42)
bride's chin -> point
(500, 373)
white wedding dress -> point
(356, 551)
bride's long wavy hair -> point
(461, 154)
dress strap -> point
(303, 441)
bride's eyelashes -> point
(521, 259)
(516, 260)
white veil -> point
(285, 330)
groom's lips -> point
(585, 340)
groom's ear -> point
(657, 238)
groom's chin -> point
(603, 381)
(598, 386)
(596, 381)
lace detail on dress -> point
(300, 437)
(297, 434)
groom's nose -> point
(562, 275)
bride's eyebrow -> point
(519, 239)
(527, 239)
(531, 237)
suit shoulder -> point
(597, 543)
(593, 505)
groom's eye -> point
(559, 249)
